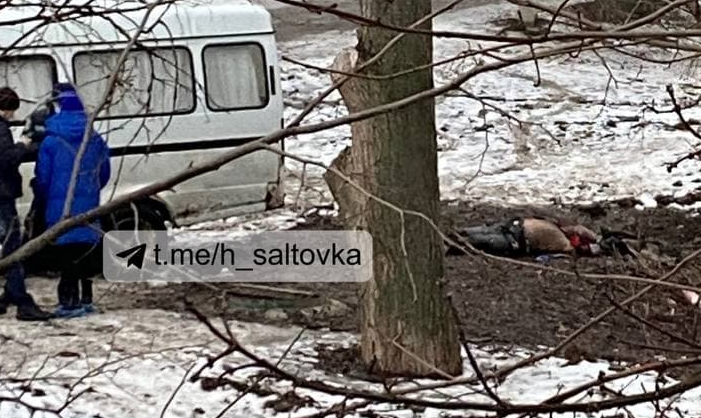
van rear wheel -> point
(141, 217)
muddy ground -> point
(499, 302)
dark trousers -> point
(78, 264)
(10, 238)
(35, 225)
(506, 238)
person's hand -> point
(24, 139)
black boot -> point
(32, 313)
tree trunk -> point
(351, 201)
(407, 325)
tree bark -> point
(351, 201)
(408, 327)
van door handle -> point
(272, 81)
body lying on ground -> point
(531, 236)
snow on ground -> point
(603, 152)
(599, 153)
(134, 361)
(570, 146)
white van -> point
(203, 78)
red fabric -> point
(575, 241)
(580, 244)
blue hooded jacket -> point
(54, 167)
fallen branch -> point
(503, 409)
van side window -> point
(235, 76)
(157, 81)
(32, 77)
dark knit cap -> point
(9, 100)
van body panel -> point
(186, 19)
(193, 128)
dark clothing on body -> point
(11, 156)
(506, 238)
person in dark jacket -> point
(79, 248)
(11, 156)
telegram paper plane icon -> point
(135, 256)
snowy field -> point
(136, 364)
(597, 152)
(130, 363)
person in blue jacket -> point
(77, 249)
